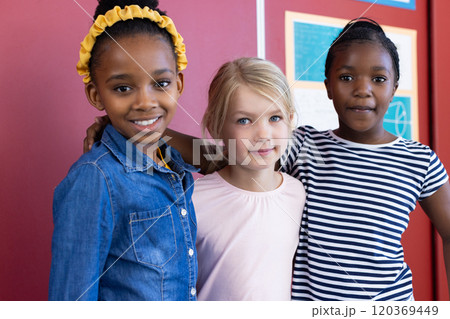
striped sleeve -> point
(435, 178)
(293, 150)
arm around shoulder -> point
(194, 153)
(83, 224)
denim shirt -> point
(124, 227)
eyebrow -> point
(375, 68)
(162, 71)
(381, 68)
(118, 77)
(245, 113)
(126, 76)
(242, 112)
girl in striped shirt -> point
(361, 181)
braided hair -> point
(363, 30)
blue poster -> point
(311, 44)
(405, 4)
(397, 119)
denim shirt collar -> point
(134, 160)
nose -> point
(363, 87)
(145, 100)
(262, 130)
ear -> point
(327, 85)
(180, 82)
(394, 90)
(291, 117)
(93, 96)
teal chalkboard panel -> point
(398, 119)
(311, 43)
(405, 4)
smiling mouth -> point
(263, 151)
(361, 108)
(146, 122)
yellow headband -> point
(128, 12)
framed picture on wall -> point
(308, 38)
(406, 4)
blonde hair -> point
(262, 76)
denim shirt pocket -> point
(153, 236)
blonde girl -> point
(248, 214)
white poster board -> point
(308, 38)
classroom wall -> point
(440, 113)
(45, 113)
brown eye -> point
(122, 89)
(379, 79)
(162, 84)
(346, 78)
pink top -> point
(246, 241)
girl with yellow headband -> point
(124, 223)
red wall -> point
(440, 66)
(45, 112)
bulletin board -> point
(406, 4)
(308, 38)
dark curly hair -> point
(363, 30)
(126, 28)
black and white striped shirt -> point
(358, 202)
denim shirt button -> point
(183, 212)
(191, 252)
(193, 291)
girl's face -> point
(255, 130)
(361, 84)
(138, 86)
